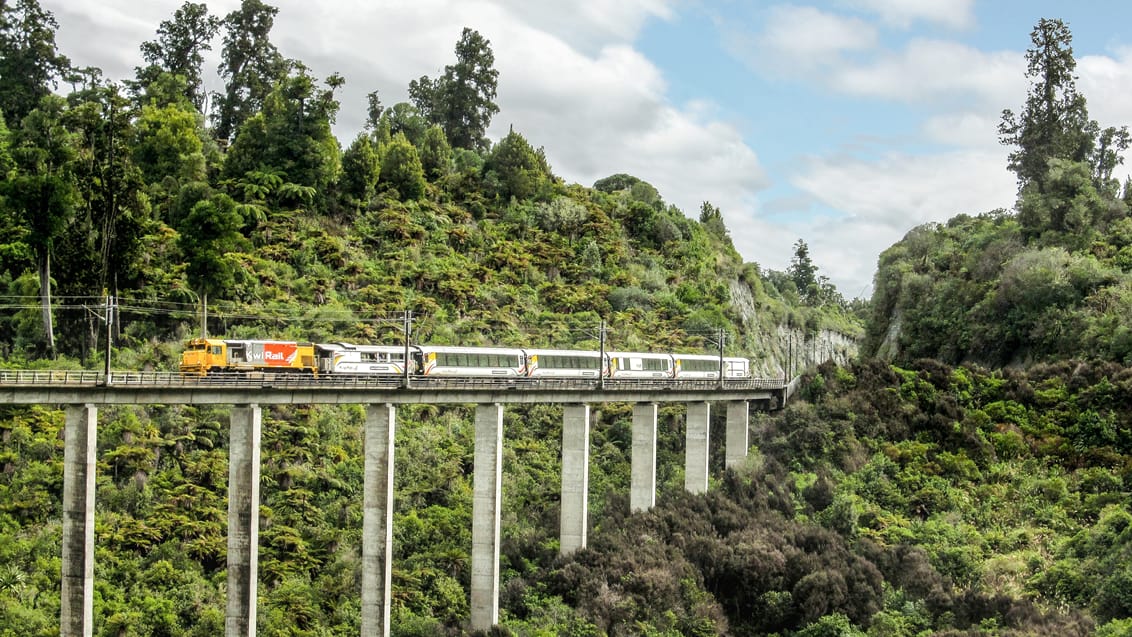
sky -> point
(842, 123)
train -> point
(205, 356)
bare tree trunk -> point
(45, 297)
(204, 314)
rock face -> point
(890, 347)
(786, 350)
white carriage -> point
(347, 358)
(443, 360)
(640, 365)
(563, 363)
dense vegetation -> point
(1049, 282)
(253, 216)
(929, 498)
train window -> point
(699, 365)
(217, 349)
(567, 362)
(461, 359)
(655, 364)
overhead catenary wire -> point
(350, 314)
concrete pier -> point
(377, 520)
(642, 477)
(696, 448)
(486, 493)
(76, 617)
(575, 478)
(243, 520)
(738, 428)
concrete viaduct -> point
(82, 392)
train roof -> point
(563, 352)
(459, 349)
(362, 347)
(638, 354)
(701, 357)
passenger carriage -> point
(706, 366)
(640, 365)
(443, 360)
(735, 367)
(347, 358)
(695, 366)
(564, 363)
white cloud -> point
(900, 190)
(940, 72)
(881, 200)
(798, 40)
(966, 129)
(1104, 82)
(843, 54)
(903, 13)
(588, 26)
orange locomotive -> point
(204, 355)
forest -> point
(967, 475)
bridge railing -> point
(50, 377)
(87, 378)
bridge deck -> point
(77, 387)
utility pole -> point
(601, 362)
(408, 334)
(789, 357)
(722, 339)
(109, 309)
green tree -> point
(401, 168)
(1107, 155)
(803, 271)
(6, 163)
(168, 144)
(361, 168)
(712, 218)
(462, 100)
(1068, 204)
(562, 215)
(513, 169)
(1054, 122)
(110, 190)
(291, 136)
(250, 66)
(208, 233)
(179, 48)
(29, 62)
(15, 253)
(374, 110)
(42, 190)
(615, 183)
(402, 118)
(436, 153)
